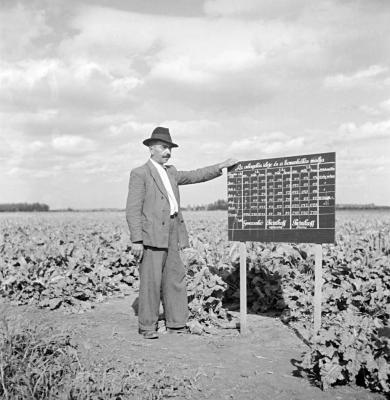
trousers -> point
(163, 277)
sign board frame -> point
(287, 199)
(315, 178)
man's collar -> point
(157, 165)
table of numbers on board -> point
(267, 198)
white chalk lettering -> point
(278, 222)
(303, 224)
(295, 162)
(258, 222)
(317, 160)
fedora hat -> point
(161, 134)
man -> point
(157, 232)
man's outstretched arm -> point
(203, 174)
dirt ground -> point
(224, 365)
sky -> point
(83, 83)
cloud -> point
(127, 37)
(76, 85)
(20, 158)
(201, 64)
(63, 156)
(365, 76)
(124, 127)
(367, 131)
(254, 9)
(20, 27)
(86, 84)
(207, 63)
(181, 70)
(369, 110)
(365, 164)
(28, 119)
(385, 105)
(69, 144)
(376, 110)
(26, 74)
(268, 144)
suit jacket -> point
(147, 207)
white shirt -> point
(168, 187)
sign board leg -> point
(317, 288)
(243, 299)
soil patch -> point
(224, 365)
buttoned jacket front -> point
(148, 209)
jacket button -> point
(163, 223)
(162, 197)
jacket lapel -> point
(157, 178)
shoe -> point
(148, 334)
(178, 331)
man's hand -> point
(137, 250)
(228, 163)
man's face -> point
(160, 152)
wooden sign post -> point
(289, 199)
(243, 325)
(317, 288)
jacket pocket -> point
(146, 225)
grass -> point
(36, 362)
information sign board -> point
(288, 199)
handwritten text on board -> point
(289, 199)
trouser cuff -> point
(175, 324)
(147, 327)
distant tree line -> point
(360, 206)
(15, 207)
(223, 205)
(217, 205)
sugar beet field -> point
(70, 262)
